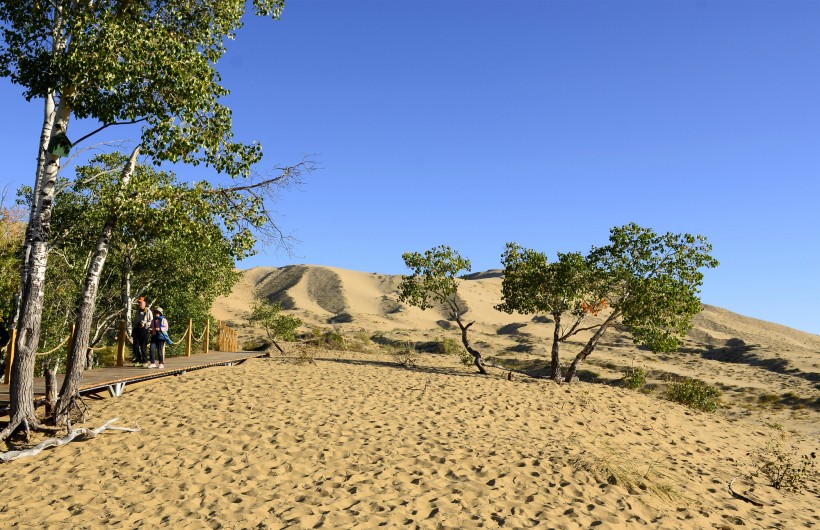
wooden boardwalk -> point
(115, 379)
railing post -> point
(10, 356)
(121, 344)
(219, 338)
(189, 337)
(206, 336)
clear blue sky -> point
(474, 123)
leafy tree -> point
(650, 281)
(533, 285)
(435, 281)
(276, 325)
(12, 233)
(115, 62)
(186, 238)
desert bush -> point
(255, 345)
(465, 357)
(634, 378)
(766, 399)
(617, 469)
(328, 338)
(694, 393)
(406, 355)
(783, 467)
(304, 355)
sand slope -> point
(358, 441)
(355, 441)
(748, 358)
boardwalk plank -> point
(99, 379)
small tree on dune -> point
(435, 280)
(532, 285)
(276, 325)
(649, 281)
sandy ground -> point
(356, 441)
(767, 372)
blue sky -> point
(473, 123)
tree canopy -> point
(434, 280)
(650, 282)
(533, 285)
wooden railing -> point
(226, 337)
(226, 341)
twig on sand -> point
(82, 433)
(741, 496)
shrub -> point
(328, 338)
(406, 355)
(766, 399)
(255, 345)
(783, 467)
(465, 357)
(634, 378)
(695, 394)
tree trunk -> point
(126, 294)
(50, 374)
(77, 356)
(555, 365)
(21, 389)
(45, 136)
(476, 355)
(590, 345)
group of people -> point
(149, 326)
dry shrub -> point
(783, 466)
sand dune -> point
(746, 357)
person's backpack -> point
(161, 334)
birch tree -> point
(115, 62)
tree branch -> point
(92, 133)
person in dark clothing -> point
(141, 333)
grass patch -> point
(621, 470)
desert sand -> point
(355, 440)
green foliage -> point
(464, 357)
(653, 281)
(12, 234)
(783, 467)
(450, 346)
(328, 338)
(111, 62)
(634, 378)
(695, 394)
(269, 316)
(533, 285)
(434, 279)
(172, 251)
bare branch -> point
(92, 133)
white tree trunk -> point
(76, 357)
(21, 389)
